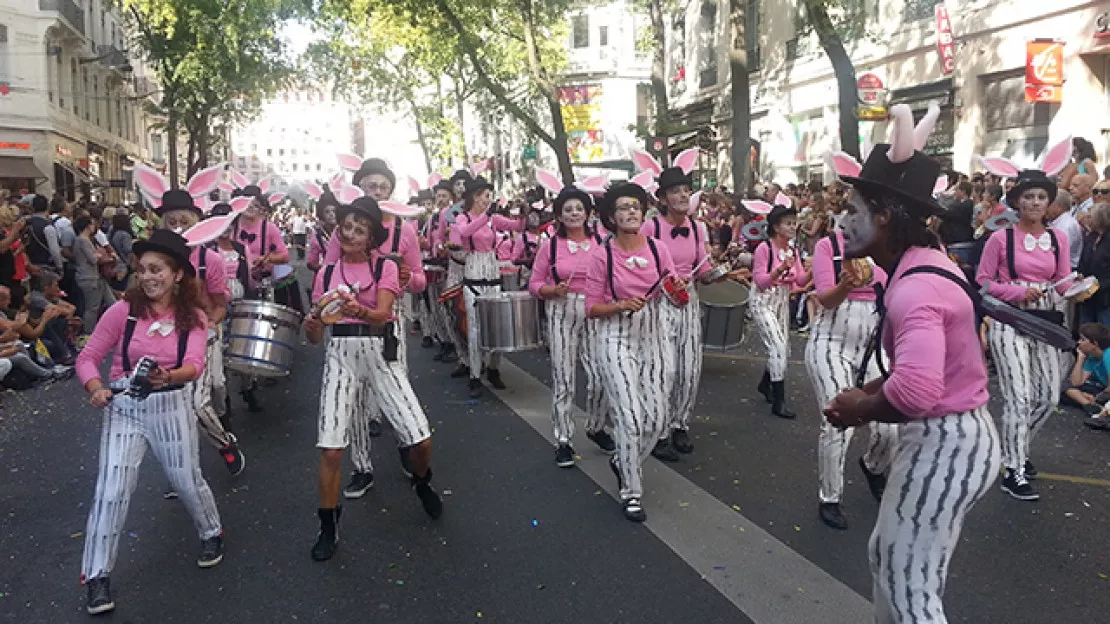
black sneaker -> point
(680, 440)
(62, 373)
(100, 596)
(170, 494)
(461, 371)
(564, 456)
(494, 377)
(1092, 409)
(875, 482)
(663, 451)
(374, 428)
(1018, 487)
(1098, 424)
(1031, 470)
(253, 406)
(603, 440)
(433, 506)
(441, 353)
(233, 457)
(451, 355)
(832, 516)
(327, 540)
(406, 460)
(475, 388)
(211, 552)
(359, 485)
(634, 510)
(427, 342)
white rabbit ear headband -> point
(211, 228)
(594, 185)
(1052, 162)
(154, 185)
(653, 174)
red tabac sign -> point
(1044, 71)
(946, 45)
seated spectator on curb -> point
(18, 370)
(49, 318)
(1089, 378)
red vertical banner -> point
(946, 44)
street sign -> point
(117, 183)
(872, 97)
(529, 152)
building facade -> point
(69, 120)
(982, 97)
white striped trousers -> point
(770, 311)
(479, 266)
(834, 352)
(209, 392)
(166, 421)
(637, 368)
(1029, 378)
(356, 377)
(360, 434)
(433, 317)
(682, 328)
(572, 339)
(941, 468)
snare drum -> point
(960, 253)
(724, 306)
(261, 338)
(510, 321)
(453, 298)
(512, 278)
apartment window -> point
(603, 36)
(96, 98)
(60, 72)
(707, 45)
(281, 152)
(753, 20)
(119, 114)
(3, 53)
(254, 148)
(319, 167)
(269, 151)
(293, 152)
(74, 84)
(156, 148)
(920, 9)
(107, 106)
(294, 167)
(580, 31)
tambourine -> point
(327, 308)
(863, 269)
(1082, 290)
(675, 294)
(1001, 221)
(755, 231)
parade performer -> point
(437, 228)
(177, 211)
(936, 390)
(1019, 265)
(636, 365)
(841, 329)
(161, 317)
(482, 274)
(559, 278)
(320, 235)
(362, 368)
(776, 269)
(234, 256)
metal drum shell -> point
(261, 337)
(724, 308)
(509, 322)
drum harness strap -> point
(555, 247)
(609, 262)
(390, 342)
(125, 347)
(693, 227)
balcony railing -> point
(69, 11)
(111, 56)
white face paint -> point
(1033, 204)
(573, 214)
(254, 209)
(155, 275)
(628, 214)
(859, 227)
(678, 198)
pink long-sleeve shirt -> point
(215, 274)
(937, 367)
(505, 247)
(762, 276)
(476, 233)
(108, 336)
(824, 271)
(569, 266)
(688, 250)
(629, 281)
(1032, 266)
(408, 247)
(251, 238)
(361, 274)
(316, 251)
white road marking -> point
(764, 578)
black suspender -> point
(655, 220)
(202, 265)
(837, 258)
(396, 235)
(377, 271)
(609, 260)
(129, 332)
(1010, 249)
(554, 249)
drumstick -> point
(1067, 278)
(659, 281)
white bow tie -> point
(162, 327)
(573, 247)
(1044, 242)
(636, 261)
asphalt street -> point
(733, 534)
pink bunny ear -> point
(1000, 166)
(153, 201)
(207, 230)
(275, 198)
(337, 182)
(398, 209)
(1056, 158)
(941, 185)
(646, 162)
(901, 140)
(596, 181)
(782, 199)
(643, 178)
(537, 206)
(756, 206)
(152, 183)
(414, 186)
(204, 181)
(348, 194)
(479, 167)
(313, 191)
(549, 181)
(203, 203)
(226, 187)
(695, 201)
(843, 164)
(686, 159)
(349, 162)
(434, 179)
(651, 188)
(925, 127)
(239, 204)
(239, 179)
(593, 186)
(264, 185)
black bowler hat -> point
(177, 199)
(461, 174)
(476, 184)
(778, 213)
(252, 190)
(219, 210)
(911, 182)
(372, 166)
(1029, 179)
(366, 207)
(169, 243)
(608, 204)
(568, 193)
(670, 178)
(444, 185)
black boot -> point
(427, 342)
(328, 540)
(253, 406)
(450, 355)
(778, 406)
(764, 387)
(461, 371)
(832, 516)
(875, 482)
(475, 388)
(494, 377)
(663, 451)
(442, 352)
(433, 506)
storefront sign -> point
(945, 43)
(1044, 71)
(872, 97)
(1102, 26)
(64, 151)
(15, 146)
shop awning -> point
(80, 174)
(20, 168)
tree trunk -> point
(457, 80)
(741, 98)
(550, 93)
(171, 138)
(845, 71)
(420, 136)
(659, 77)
